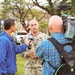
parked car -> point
(19, 37)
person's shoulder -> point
(45, 41)
(43, 34)
(3, 39)
(27, 35)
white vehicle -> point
(19, 36)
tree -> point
(49, 6)
(24, 11)
(21, 10)
(18, 9)
(73, 7)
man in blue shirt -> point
(47, 50)
(9, 49)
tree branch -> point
(41, 17)
(50, 3)
(13, 12)
(29, 9)
(44, 8)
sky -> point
(43, 1)
(1, 0)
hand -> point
(31, 54)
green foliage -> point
(73, 7)
(11, 8)
(25, 11)
(44, 27)
(5, 10)
(20, 65)
(36, 13)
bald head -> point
(55, 24)
(34, 26)
(33, 21)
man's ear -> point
(11, 27)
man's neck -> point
(35, 34)
(8, 32)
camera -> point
(64, 7)
(68, 22)
(31, 38)
(70, 29)
(65, 20)
(68, 26)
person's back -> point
(47, 50)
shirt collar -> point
(57, 34)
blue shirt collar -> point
(57, 34)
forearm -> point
(21, 48)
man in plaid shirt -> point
(47, 50)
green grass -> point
(20, 65)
